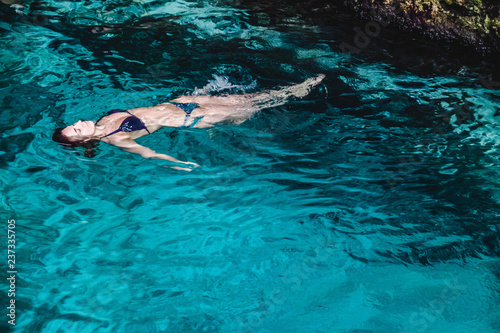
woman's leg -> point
(242, 107)
(238, 108)
(275, 98)
(267, 99)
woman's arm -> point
(133, 147)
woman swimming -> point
(122, 127)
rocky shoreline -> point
(474, 23)
(471, 24)
(467, 25)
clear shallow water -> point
(374, 209)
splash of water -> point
(222, 83)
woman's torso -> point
(186, 111)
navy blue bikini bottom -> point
(188, 108)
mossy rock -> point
(472, 22)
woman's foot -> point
(275, 98)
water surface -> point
(371, 206)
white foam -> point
(220, 83)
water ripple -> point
(363, 207)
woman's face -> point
(80, 131)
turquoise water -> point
(371, 206)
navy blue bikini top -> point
(129, 124)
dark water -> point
(370, 206)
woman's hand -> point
(192, 163)
(195, 165)
(178, 168)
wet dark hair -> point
(89, 146)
